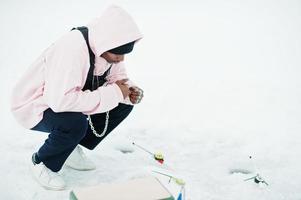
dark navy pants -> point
(68, 129)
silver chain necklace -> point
(107, 116)
(105, 128)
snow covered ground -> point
(221, 80)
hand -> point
(123, 87)
(136, 95)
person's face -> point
(112, 58)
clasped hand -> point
(134, 93)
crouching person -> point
(78, 92)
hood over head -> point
(114, 28)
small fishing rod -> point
(157, 156)
(178, 181)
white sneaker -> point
(47, 178)
(79, 161)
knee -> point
(75, 124)
(80, 122)
(125, 109)
(80, 126)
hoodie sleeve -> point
(65, 75)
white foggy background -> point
(221, 81)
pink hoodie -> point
(56, 78)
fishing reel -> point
(159, 157)
(258, 179)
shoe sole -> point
(80, 169)
(44, 186)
